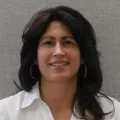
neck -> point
(58, 96)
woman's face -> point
(58, 55)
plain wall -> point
(104, 15)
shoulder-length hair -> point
(89, 86)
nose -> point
(58, 51)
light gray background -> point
(104, 15)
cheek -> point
(42, 57)
(76, 56)
(76, 59)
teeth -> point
(59, 64)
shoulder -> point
(11, 99)
(116, 109)
(110, 105)
(10, 104)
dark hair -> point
(87, 87)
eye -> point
(67, 42)
(48, 43)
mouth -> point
(59, 64)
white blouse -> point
(29, 106)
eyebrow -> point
(53, 38)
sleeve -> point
(3, 113)
(111, 106)
(117, 110)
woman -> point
(60, 71)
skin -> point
(58, 84)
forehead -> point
(55, 24)
(57, 28)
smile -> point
(59, 64)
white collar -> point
(31, 96)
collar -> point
(30, 97)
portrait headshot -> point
(60, 71)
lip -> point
(58, 62)
(58, 66)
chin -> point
(60, 78)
